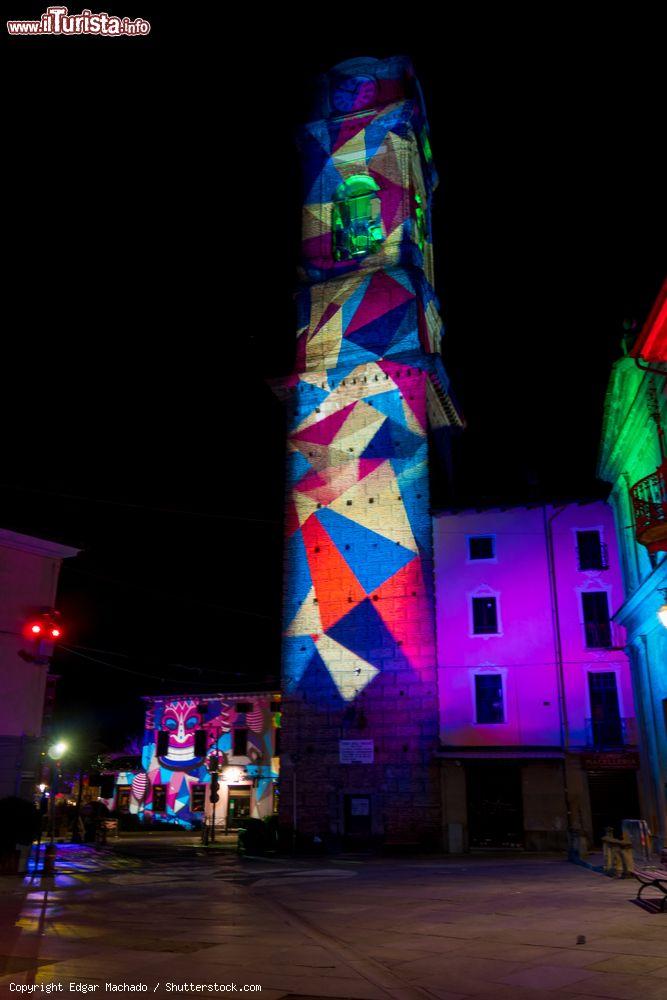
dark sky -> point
(152, 215)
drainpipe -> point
(558, 650)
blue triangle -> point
(371, 557)
(351, 355)
(351, 305)
(300, 579)
(388, 403)
(298, 651)
(413, 484)
(377, 335)
(297, 466)
(381, 444)
(318, 683)
(363, 632)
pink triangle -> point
(330, 311)
(368, 465)
(392, 200)
(350, 127)
(325, 430)
(382, 294)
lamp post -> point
(56, 753)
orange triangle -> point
(336, 587)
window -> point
(356, 219)
(592, 554)
(123, 800)
(489, 699)
(420, 220)
(240, 748)
(198, 798)
(484, 616)
(606, 723)
(159, 798)
(597, 626)
(244, 706)
(481, 546)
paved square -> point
(347, 927)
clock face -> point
(354, 93)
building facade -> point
(185, 737)
(537, 718)
(632, 460)
(359, 679)
(29, 571)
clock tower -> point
(360, 700)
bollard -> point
(49, 860)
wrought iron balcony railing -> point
(611, 733)
(596, 559)
(599, 635)
(649, 502)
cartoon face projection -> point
(180, 719)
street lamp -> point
(58, 750)
(56, 753)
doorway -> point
(238, 807)
(495, 806)
(614, 797)
(358, 815)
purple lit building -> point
(537, 718)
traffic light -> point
(42, 630)
(215, 788)
(162, 743)
(46, 625)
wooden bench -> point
(653, 878)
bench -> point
(653, 878)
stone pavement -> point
(369, 929)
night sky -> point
(153, 217)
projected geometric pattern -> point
(387, 143)
(368, 383)
(357, 527)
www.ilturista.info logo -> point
(58, 21)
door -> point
(238, 807)
(358, 815)
(613, 798)
(495, 805)
(605, 713)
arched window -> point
(356, 222)
(420, 221)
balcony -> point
(611, 733)
(649, 502)
(597, 558)
(603, 635)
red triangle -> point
(291, 518)
(400, 602)
(336, 587)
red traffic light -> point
(45, 625)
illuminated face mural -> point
(180, 719)
(180, 769)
